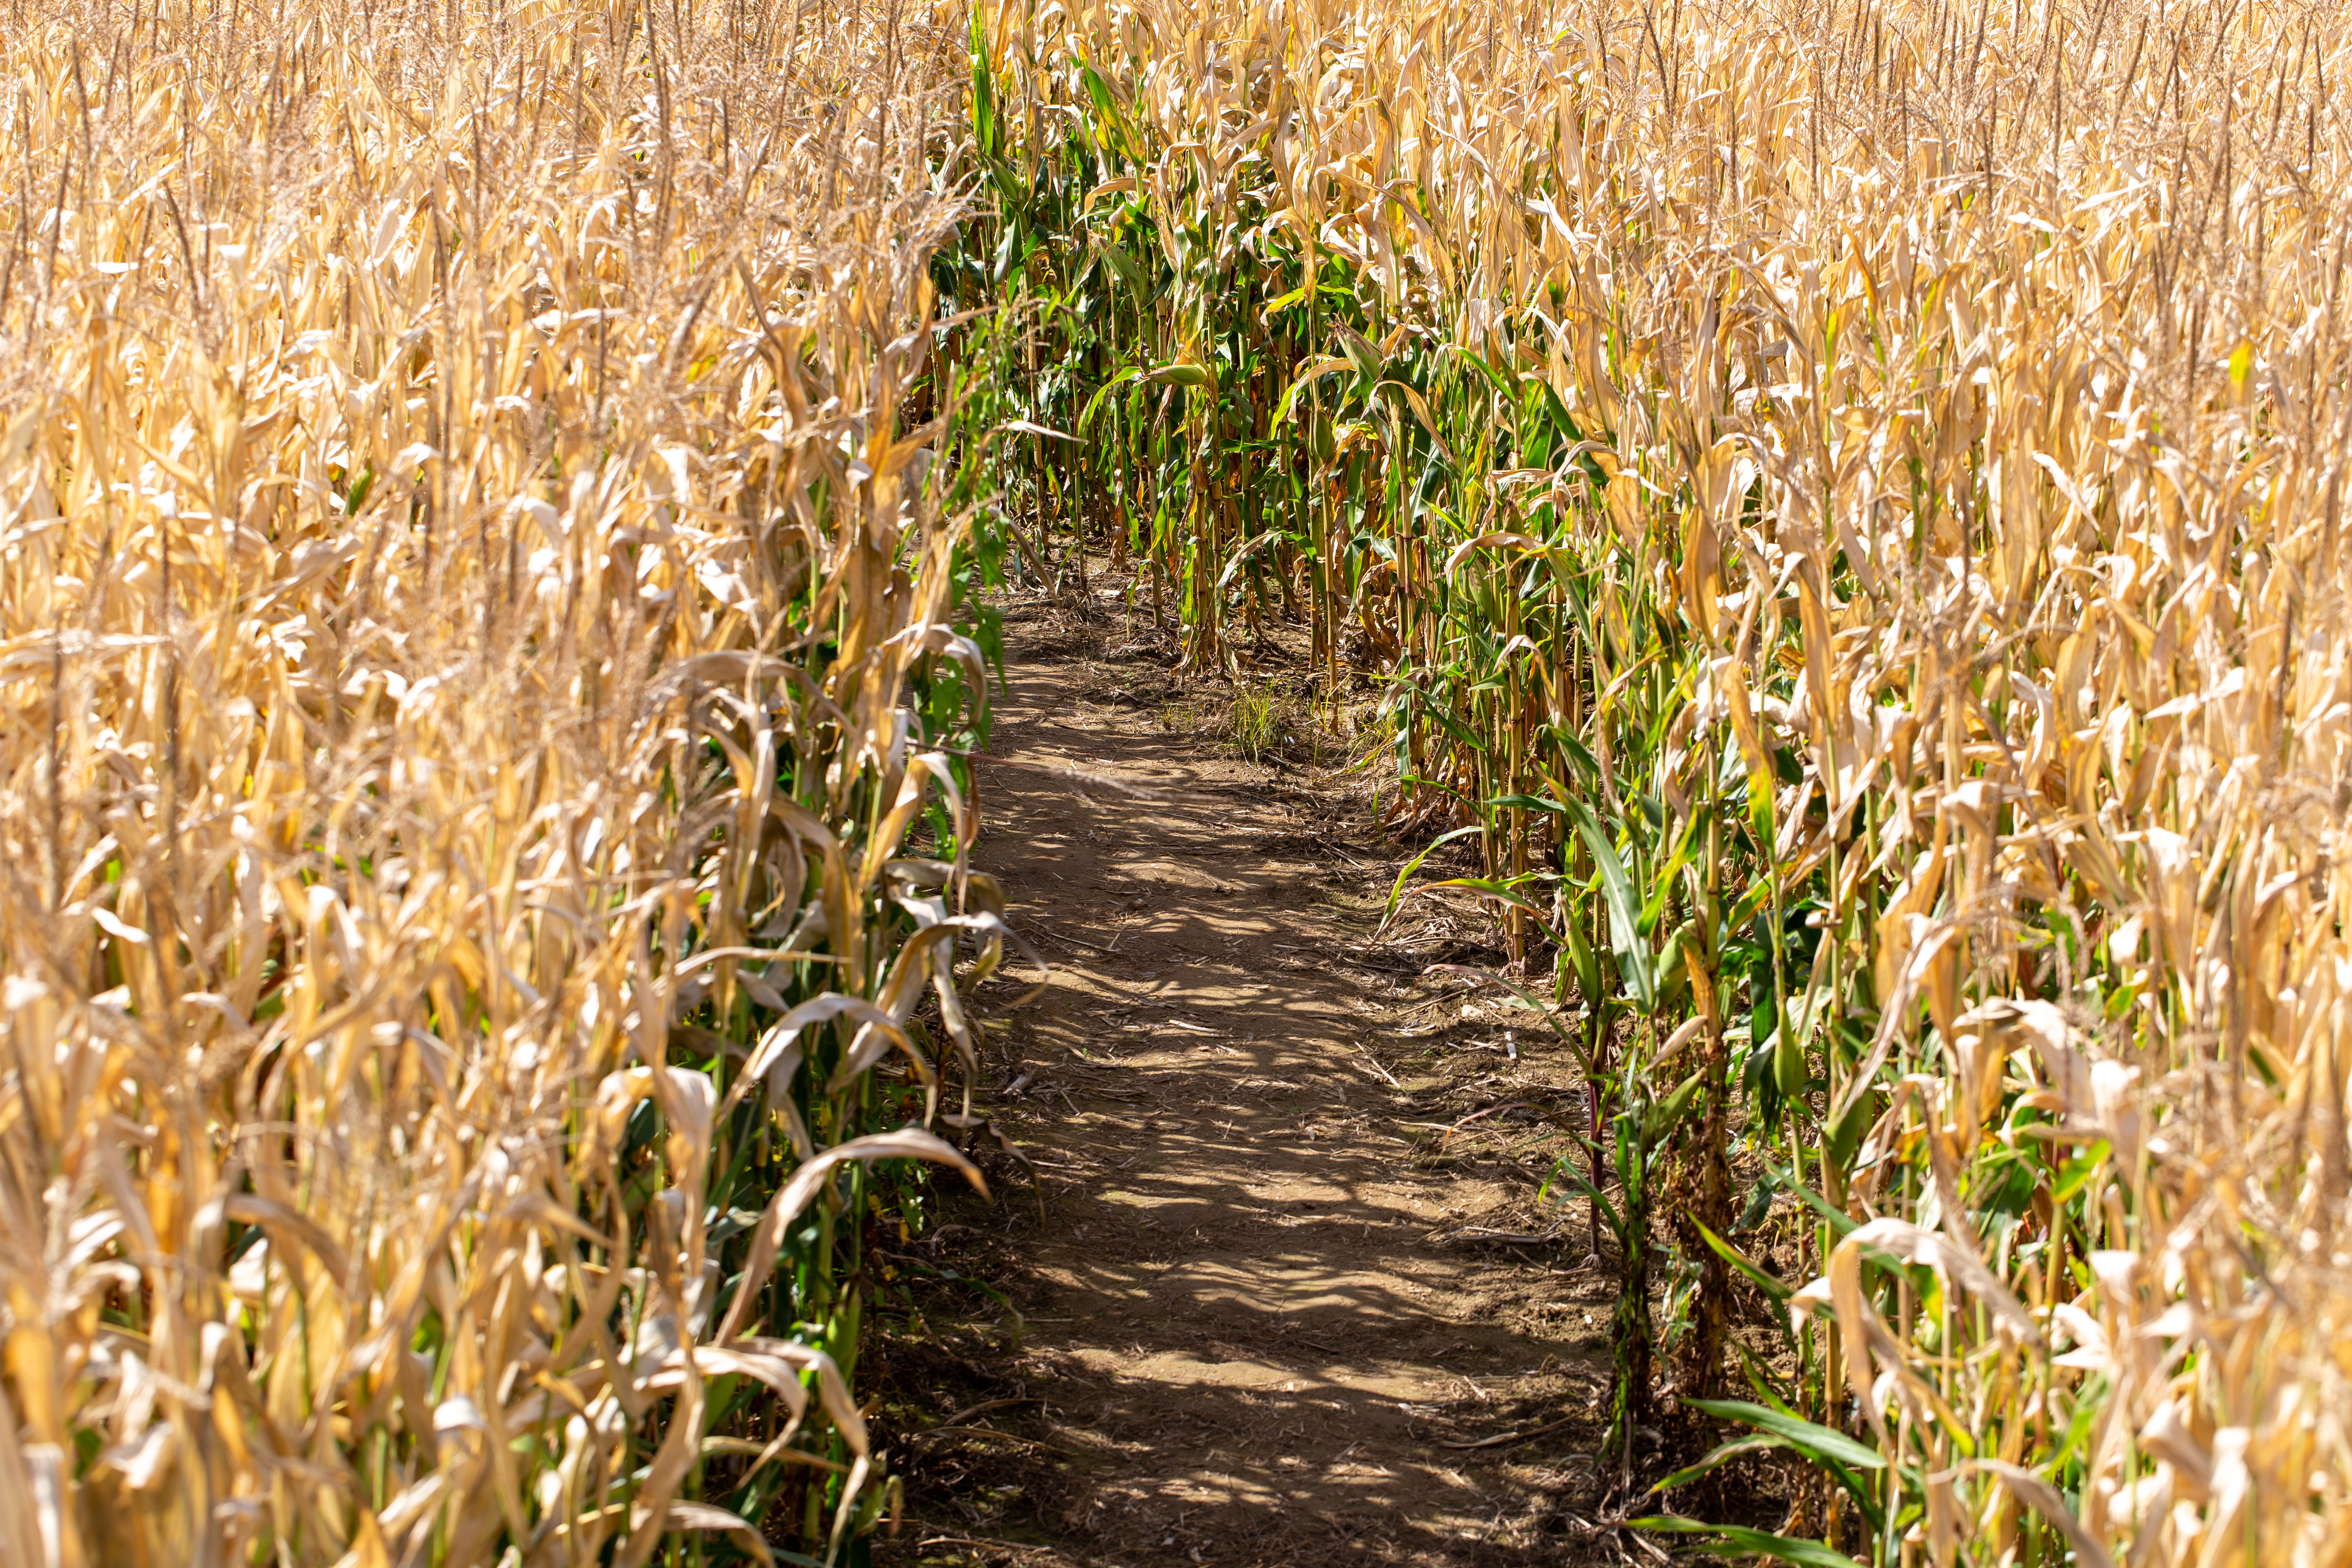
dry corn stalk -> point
(462, 572)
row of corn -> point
(1843, 505)
(483, 880)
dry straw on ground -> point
(1851, 500)
(463, 571)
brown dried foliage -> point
(461, 574)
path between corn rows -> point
(1258, 1305)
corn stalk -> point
(1844, 502)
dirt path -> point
(1271, 1294)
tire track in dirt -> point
(1268, 1292)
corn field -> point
(476, 643)
(1840, 504)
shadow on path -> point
(1250, 1327)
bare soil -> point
(1284, 1265)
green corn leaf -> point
(1524, 803)
(1723, 1455)
(1123, 268)
(1281, 302)
(1665, 1114)
(2077, 1172)
(1634, 962)
(1568, 1176)
(1587, 768)
(1771, 1285)
(1741, 1542)
(1759, 1377)
(1846, 1460)
(1108, 108)
(1814, 1441)
(986, 136)
(1478, 362)
(1841, 1221)
(1396, 892)
(1094, 403)
(1499, 891)
(1586, 962)
(1846, 1133)
(1751, 899)
(1008, 251)
(1312, 371)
